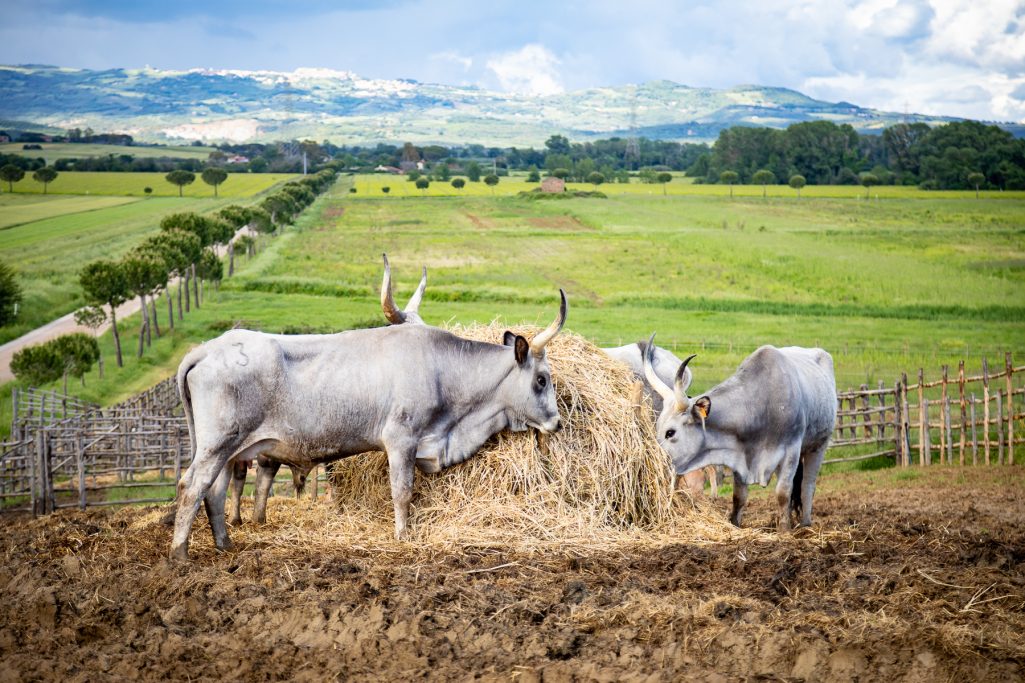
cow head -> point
(680, 427)
(392, 312)
(532, 396)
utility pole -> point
(304, 162)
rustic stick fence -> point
(65, 452)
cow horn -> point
(537, 345)
(683, 379)
(391, 311)
(414, 301)
(648, 353)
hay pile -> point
(603, 472)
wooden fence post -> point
(905, 424)
(944, 409)
(1009, 367)
(866, 406)
(898, 438)
(985, 409)
(852, 419)
(925, 455)
(80, 463)
(975, 436)
(882, 414)
(1000, 429)
(946, 428)
(964, 412)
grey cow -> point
(426, 397)
(267, 469)
(775, 415)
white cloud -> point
(532, 70)
(453, 57)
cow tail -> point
(796, 504)
(191, 360)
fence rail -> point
(65, 452)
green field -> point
(65, 150)
(71, 231)
(370, 186)
(885, 286)
(133, 185)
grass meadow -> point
(238, 185)
(885, 286)
(48, 239)
(66, 150)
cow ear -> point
(508, 339)
(522, 350)
(702, 407)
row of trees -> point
(68, 355)
(184, 249)
(11, 173)
(959, 155)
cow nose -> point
(558, 426)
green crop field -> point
(885, 286)
(70, 231)
(65, 150)
(17, 209)
(370, 186)
(134, 184)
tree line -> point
(184, 250)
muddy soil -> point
(918, 580)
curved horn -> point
(414, 301)
(648, 353)
(683, 379)
(538, 343)
(391, 311)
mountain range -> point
(238, 106)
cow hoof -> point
(235, 522)
(401, 534)
(226, 545)
(179, 554)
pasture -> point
(237, 186)
(906, 573)
(66, 150)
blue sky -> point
(953, 57)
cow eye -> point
(542, 381)
(670, 433)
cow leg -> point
(214, 502)
(695, 482)
(266, 470)
(785, 486)
(401, 471)
(739, 499)
(193, 487)
(238, 483)
(811, 462)
(713, 481)
(299, 475)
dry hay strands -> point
(602, 473)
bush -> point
(10, 294)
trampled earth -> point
(916, 576)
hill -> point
(218, 105)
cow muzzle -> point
(552, 426)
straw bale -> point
(602, 472)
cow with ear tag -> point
(426, 397)
(775, 415)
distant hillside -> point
(217, 106)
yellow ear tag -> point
(703, 412)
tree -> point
(443, 172)
(763, 177)
(473, 172)
(561, 173)
(413, 176)
(180, 178)
(868, 180)
(143, 273)
(76, 353)
(10, 294)
(37, 365)
(45, 175)
(664, 178)
(976, 179)
(595, 178)
(93, 317)
(386, 189)
(422, 184)
(533, 175)
(104, 283)
(729, 177)
(147, 190)
(214, 177)
(458, 183)
(11, 174)
(491, 180)
(797, 181)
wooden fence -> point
(67, 453)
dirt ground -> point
(916, 578)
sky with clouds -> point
(950, 57)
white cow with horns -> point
(426, 397)
(775, 415)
